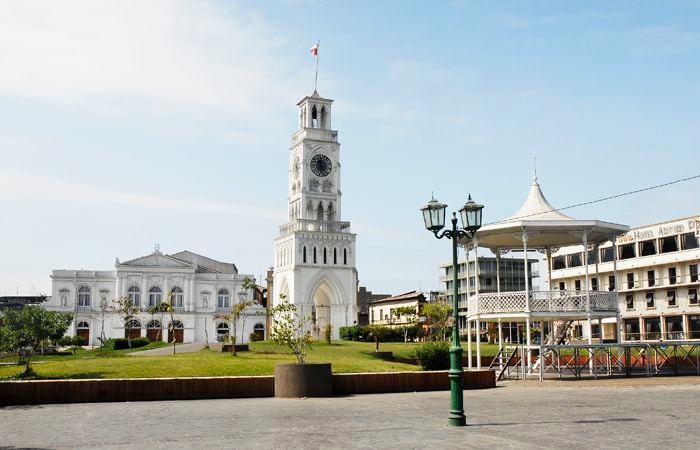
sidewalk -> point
(518, 415)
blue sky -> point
(126, 124)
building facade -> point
(315, 251)
(512, 278)
(654, 269)
(200, 289)
(385, 311)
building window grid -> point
(671, 297)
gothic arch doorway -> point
(322, 308)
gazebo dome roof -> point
(545, 227)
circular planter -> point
(303, 380)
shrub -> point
(255, 337)
(350, 333)
(434, 355)
(78, 341)
(328, 333)
(122, 343)
(65, 341)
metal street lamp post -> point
(434, 218)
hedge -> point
(386, 334)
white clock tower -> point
(315, 251)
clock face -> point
(321, 165)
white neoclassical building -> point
(201, 288)
(315, 251)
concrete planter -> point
(383, 355)
(239, 348)
(303, 380)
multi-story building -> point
(364, 298)
(655, 275)
(386, 311)
(200, 289)
(512, 276)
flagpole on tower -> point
(314, 51)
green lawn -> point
(346, 357)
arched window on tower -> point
(345, 256)
(303, 254)
(309, 210)
(323, 117)
(331, 212)
(314, 117)
(315, 256)
(325, 258)
(319, 212)
(335, 256)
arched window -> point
(323, 117)
(176, 325)
(331, 213)
(345, 256)
(314, 117)
(335, 256)
(153, 324)
(319, 212)
(83, 326)
(325, 256)
(221, 331)
(224, 299)
(259, 330)
(84, 296)
(176, 297)
(315, 256)
(134, 295)
(155, 296)
(133, 324)
(304, 254)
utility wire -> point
(624, 194)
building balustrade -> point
(326, 226)
(316, 134)
(83, 308)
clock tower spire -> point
(315, 251)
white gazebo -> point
(538, 226)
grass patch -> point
(345, 356)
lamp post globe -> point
(471, 215)
(434, 215)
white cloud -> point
(39, 187)
(168, 56)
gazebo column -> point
(498, 291)
(589, 328)
(528, 340)
(618, 319)
(469, 322)
(500, 341)
(477, 286)
(469, 342)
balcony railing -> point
(542, 302)
(317, 134)
(83, 308)
(315, 225)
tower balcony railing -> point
(316, 134)
(326, 226)
(559, 301)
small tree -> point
(127, 310)
(236, 313)
(411, 315)
(378, 333)
(25, 329)
(439, 314)
(166, 307)
(328, 333)
(289, 329)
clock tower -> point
(315, 250)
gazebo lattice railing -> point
(555, 302)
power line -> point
(611, 197)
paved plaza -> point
(642, 413)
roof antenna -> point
(534, 157)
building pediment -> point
(156, 260)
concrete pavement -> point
(515, 415)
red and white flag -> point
(314, 50)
